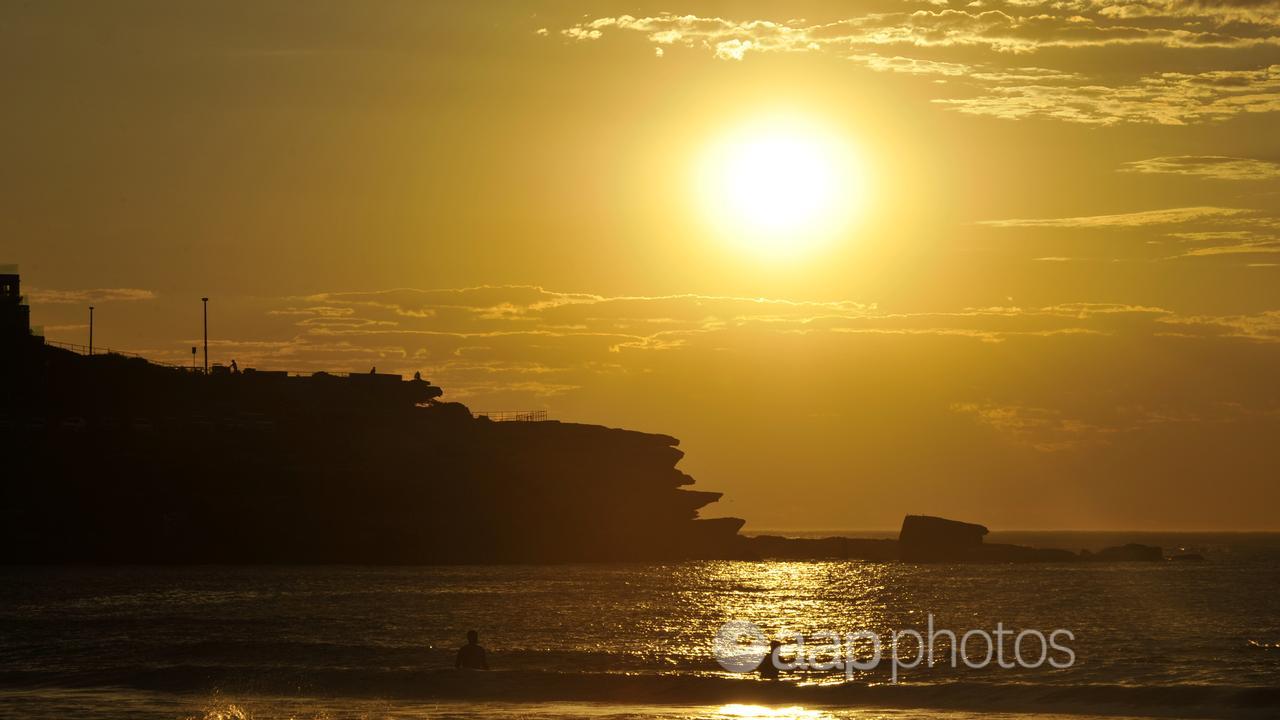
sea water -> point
(1179, 639)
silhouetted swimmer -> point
(471, 656)
(768, 669)
(235, 369)
(373, 370)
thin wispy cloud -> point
(1044, 429)
(1219, 231)
(910, 65)
(1171, 216)
(96, 295)
(1261, 327)
(1159, 98)
(1214, 167)
(1250, 248)
(1052, 430)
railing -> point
(218, 368)
(84, 350)
(512, 415)
(313, 373)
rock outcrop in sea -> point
(925, 538)
(929, 539)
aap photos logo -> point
(742, 647)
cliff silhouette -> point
(114, 459)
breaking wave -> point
(684, 689)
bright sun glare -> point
(780, 186)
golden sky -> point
(1043, 290)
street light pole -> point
(205, 300)
(90, 329)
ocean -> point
(1172, 639)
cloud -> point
(1262, 247)
(1171, 216)
(913, 66)
(529, 302)
(1216, 167)
(1261, 327)
(1025, 74)
(1053, 430)
(1162, 99)
(1215, 235)
(1254, 12)
(1005, 29)
(98, 295)
(1044, 429)
(1228, 231)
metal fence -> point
(219, 368)
(84, 350)
(215, 368)
(512, 415)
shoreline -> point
(524, 689)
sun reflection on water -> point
(789, 598)
(759, 711)
(783, 599)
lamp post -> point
(205, 300)
(91, 330)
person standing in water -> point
(768, 666)
(471, 656)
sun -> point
(780, 186)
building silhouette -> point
(15, 315)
